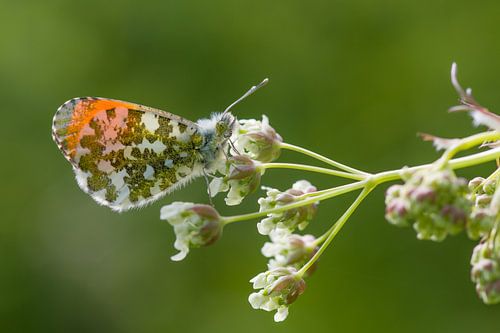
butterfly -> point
(126, 155)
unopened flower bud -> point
(279, 288)
(433, 200)
(485, 208)
(475, 183)
(195, 225)
(490, 186)
(485, 271)
(289, 219)
(241, 177)
(258, 140)
(289, 250)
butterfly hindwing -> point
(124, 154)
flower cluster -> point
(255, 142)
(433, 200)
(195, 225)
(289, 250)
(242, 177)
(485, 271)
(486, 203)
(258, 140)
(290, 219)
(279, 288)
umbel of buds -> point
(289, 250)
(486, 269)
(258, 140)
(433, 200)
(486, 205)
(290, 219)
(242, 176)
(279, 288)
(195, 225)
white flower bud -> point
(279, 288)
(485, 271)
(289, 250)
(258, 140)
(241, 177)
(290, 219)
(486, 203)
(195, 225)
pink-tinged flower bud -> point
(195, 225)
(485, 207)
(485, 272)
(289, 250)
(474, 183)
(290, 219)
(396, 209)
(242, 177)
(423, 194)
(278, 288)
(433, 200)
(258, 140)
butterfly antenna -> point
(248, 93)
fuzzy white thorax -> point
(216, 144)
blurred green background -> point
(354, 80)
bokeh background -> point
(354, 80)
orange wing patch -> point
(126, 155)
(83, 113)
(74, 115)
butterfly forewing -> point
(125, 154)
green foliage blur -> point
(354, 80)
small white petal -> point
(179, 256)
(217, 185)
(256, 300)
(265, 227)
(260, 281)
(281, 314)
(233, 197)
(172, 212)
(270, 249)
(271, 305)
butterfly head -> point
(217, 130)
(224, 126)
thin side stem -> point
(457, 163)
(467, 143)
(321, 158)
(379, 178)
(336, 191)
(336, 228)
(304, 167)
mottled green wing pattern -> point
(126, 155)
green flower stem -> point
(336, 191)
(336, 228)
(467, 143)
(315, 194)
(495, 174)
(457, 163)
(304, 167)
(454, 164)
(321, 158)
(372, 181)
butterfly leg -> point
(231, 143)
(205, 175)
